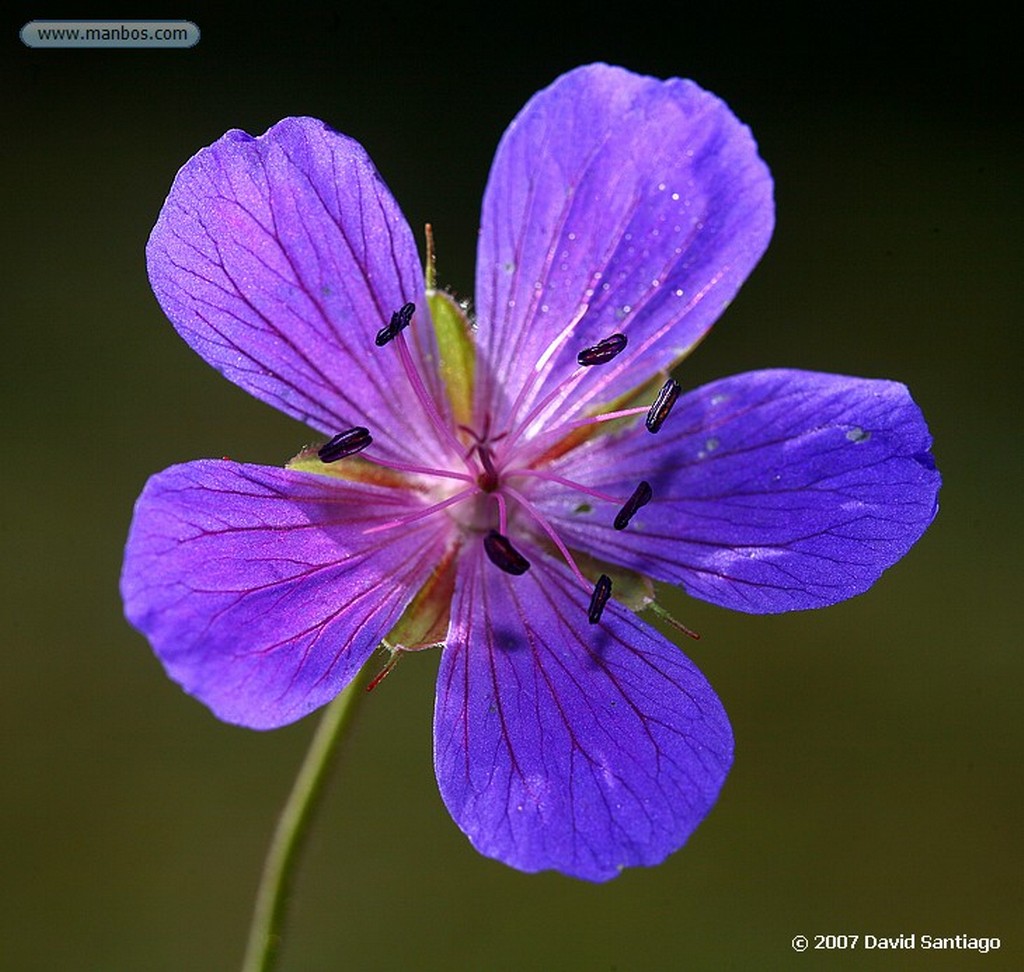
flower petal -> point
(564, 745)
(260, 590)
(278, 259)
(773, 490)
(642, 201)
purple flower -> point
(497, 487)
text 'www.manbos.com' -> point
(110, 33)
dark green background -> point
(877, 786)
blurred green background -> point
(877, 787)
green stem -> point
(282, 856)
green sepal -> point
(353, 469)
(457, 351)
(424, 623)
(630, 589)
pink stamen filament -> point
(419, 389)
(563, 390)
(426, 511)
(572, 484)
(423, 470)
(550, 531)
(502, 513)
(540, 369)
(608, 416)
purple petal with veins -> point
(275, 258)
(640, 201)
(564, 745)
(260, 589)
(773, 491)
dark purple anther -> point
(399, 322)
(603, 351)
(345, 444)
(662, 405)
(602, 591)
(641, 497)
(502, 554)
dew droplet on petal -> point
(857, 434)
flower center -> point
(487, 494)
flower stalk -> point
(265, 931)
